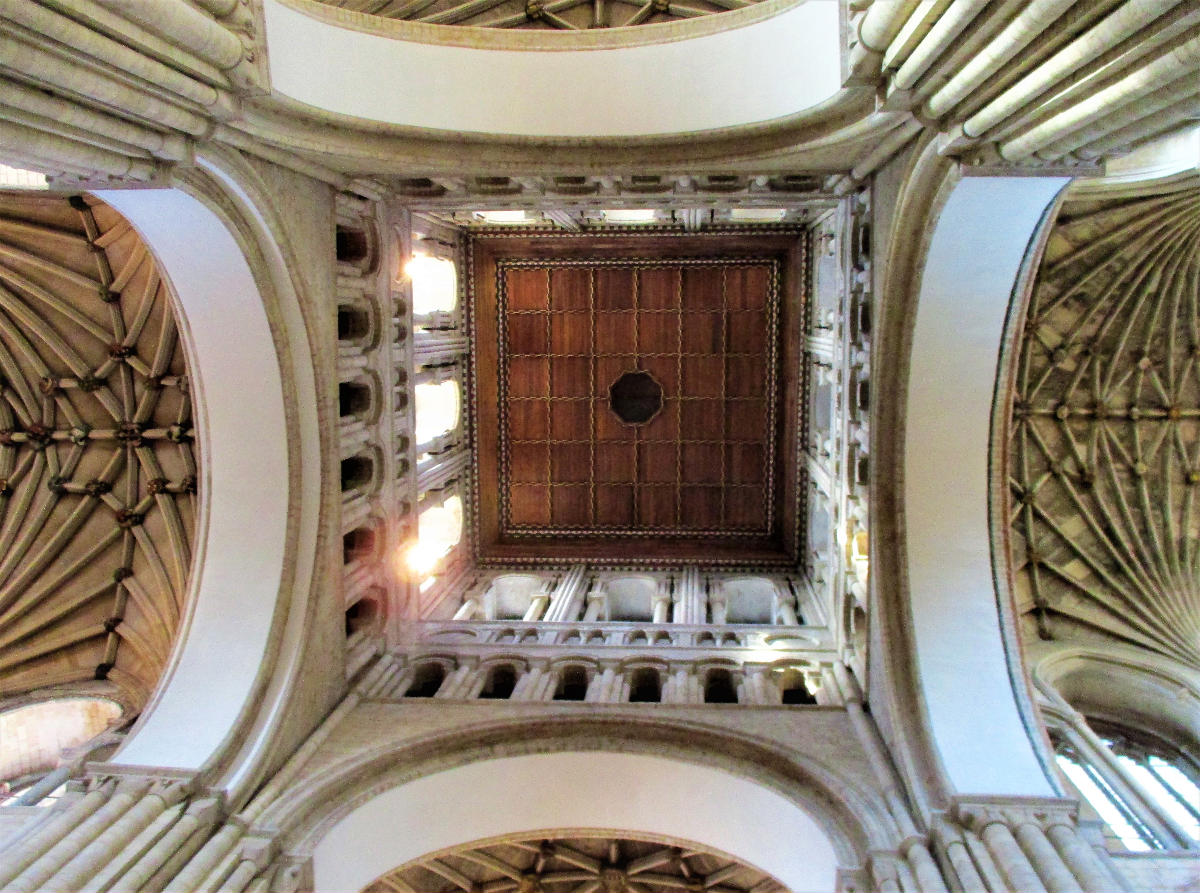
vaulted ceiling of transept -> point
(98, 471)
(1104, 457)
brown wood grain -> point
(692, 483)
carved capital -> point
(1013, 812)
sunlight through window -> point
(439, 531)
(434, 284)
(438, 405)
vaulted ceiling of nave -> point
(576, 863)
(97, 454)
(1104, 460)
(564, 15)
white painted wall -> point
(244, 489)
(970, 272)
(750, 74)
(593, 790)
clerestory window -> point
(1144, 789)
(438, 407)
(434, 284)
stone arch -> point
(1135, 690)
(819, 825)
(241, 320)
(963, 648)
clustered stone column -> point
(690, 602)
(132, 832)
(566, 602)
(1020, 844)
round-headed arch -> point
(605, 791)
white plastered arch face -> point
(759, 72)
(245, 489)
(974, 262)
(620, 792)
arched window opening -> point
(34, 736)
(439, 529)
(353, 323)
(749, 600)
(434, 284)
(820, 413)
(645, 687)
(427, 679)
(793, 690)
(438, 407)
(500, 683)
(572, 684)
(357, 472)
(354, 398)
(352, 245)
(509, 596)
(358, 543)
(1123, 826)
(819, 525)
(631, 599)
(1166, 777)
(1165, 773)
(362, 616)
(719, 688)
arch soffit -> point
(605, 93)
(963, 338)
(1125, 686)
(899, 690)
(239, 311)
(852, 817)
(622, 792)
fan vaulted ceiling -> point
(1105, 449)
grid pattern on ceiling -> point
(705, 329)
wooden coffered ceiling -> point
(707, 323)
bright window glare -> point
(758, 215)
(1102, 803)
(1164, 796)
(438, 531)
(638, 215)
(437, 409)
(434, 284)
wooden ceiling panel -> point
(698, 466)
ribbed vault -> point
(565, 15)
(1105, 453)
(576, 863)
(97, 459)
